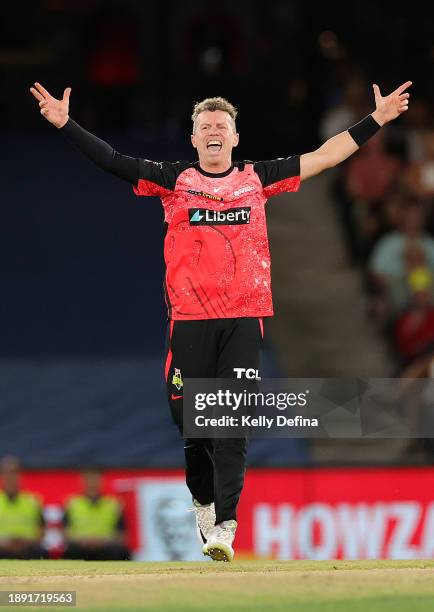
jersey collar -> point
(214, 174)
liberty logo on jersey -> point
(231, 216)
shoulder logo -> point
(245, 189)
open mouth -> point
(214, 145)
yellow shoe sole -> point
(220, 552)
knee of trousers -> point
(230, 445)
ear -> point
(236, 140)
(193, 141)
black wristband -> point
(364, 130)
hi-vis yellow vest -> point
(88, 519)
(20, 517)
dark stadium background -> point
(82, 315)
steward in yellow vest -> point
(94, 524)
(21, 517)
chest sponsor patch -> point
(231, 216)
(203, 194)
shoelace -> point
(224, 533)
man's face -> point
(92, 481)
(214, 137)
(11, 478)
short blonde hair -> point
(214, 104)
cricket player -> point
(217, 280)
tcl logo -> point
(248, 373)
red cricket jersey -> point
(216, 244)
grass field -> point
(302, 586)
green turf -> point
(90, 568)
(259, 586)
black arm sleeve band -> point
(364, 130)
(101, 153)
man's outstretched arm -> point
(337, 149)
(98, 151)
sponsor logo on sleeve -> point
(245, 189)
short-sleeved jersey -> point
(216, 244)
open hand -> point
(55, 111)
(392, 106)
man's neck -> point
(217, 168)
(93, 496)
(11, 493)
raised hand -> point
(392, 106)
(55, 111)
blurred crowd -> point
(385, 199)
(138, 67)
(384, 196)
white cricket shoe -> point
(205, 520)
(220, 540)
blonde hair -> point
(214, 104)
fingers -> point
(403, 102)
(66, 94)
(36, 94)
(377, 92)
(403, 87)
(42, 90)
(43, 104)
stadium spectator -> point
(21, 518)
(352, 108)
(416, 122)
(370, 174)
(388, 265)
(368, 179)
(419, 177)
(414, 330)
(94, 523)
